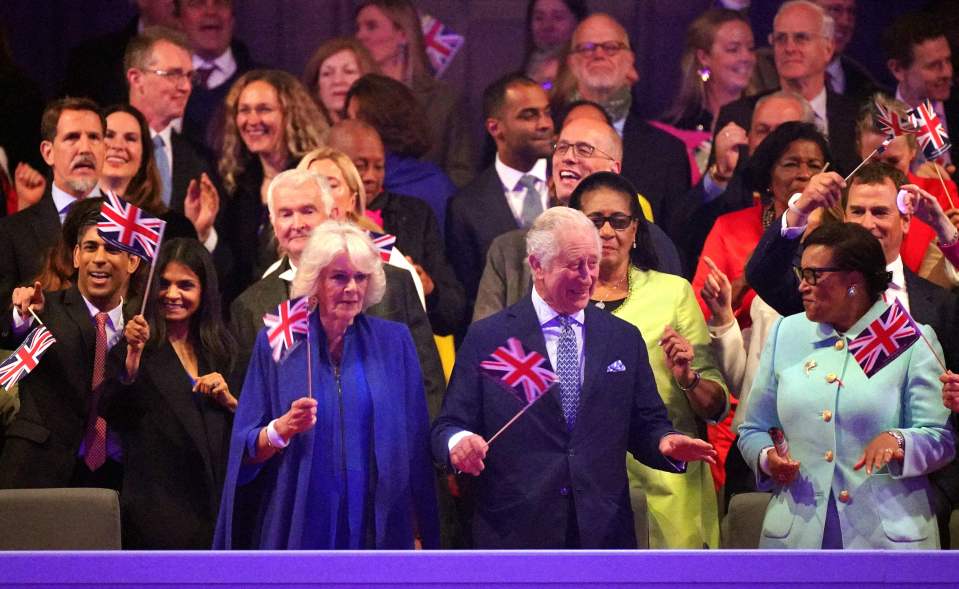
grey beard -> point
(617, 103)
(81, 186)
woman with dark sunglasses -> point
(682, 508)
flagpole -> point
(933, 350)
(509, 423)
(943, 182)
(882, 147)
(30, 308)
(153, 265)
(309, 351)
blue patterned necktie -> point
(532, 203)
(567, 368)
(163, 166)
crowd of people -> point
(699, 290)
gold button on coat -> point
(831, 378)
(840, 344)
(827, 415)
(844, 496)
(828, 455)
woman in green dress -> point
(682, 508)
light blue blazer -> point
(809, 385)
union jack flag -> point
(931, 135)
(884, 339)
(384, 243)
(520, 368)
(291, 320)
(130, 228)
(441, 43)
(25, 358)
(891, 123)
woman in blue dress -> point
(349, 466)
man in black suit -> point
(160, 75)
(510, 193)
(72, 145)
(218, 59)
(57, 439)
(602, 65)
(803, 46)
(297, 203)
(920, 59)
(410, 219)
(555, 479)
(95, 67)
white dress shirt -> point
(516, 192)
(223, 66)
(818, 105)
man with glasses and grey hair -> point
(803, 46)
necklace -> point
(623, 283)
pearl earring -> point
(851, 291)
(704, 73)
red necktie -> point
(95, 439)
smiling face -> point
(828, 301)
(874, 207)
(930, 75)
(76, 152)
(616, 243)
(794, 168)
(566, 282)
(103, 271)
(344, 199)
(732, 57)
(162, 98)
(569, 168)
(208, 24)
(341, 289)
(180, 293)
(523, 129)
(124, 144)
(296, 211)
(259, 119)
(337, 74)
(383, 39)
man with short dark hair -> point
(72, 145)
(57, 438)
(920, 58)
(513, 191)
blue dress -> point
(362, 477)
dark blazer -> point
(175, 445)
(475, 216)
(657, 164)
(418, 236)
(189, 162)
(841, 112)
(203, 118)
(951, 107)
(95, 67)
(860, 84)
(41, 444)
(25, 237)
(400, 303)
(537, 466)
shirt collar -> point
(936, 104)
(225, 63)
(898, 275)
(115, 315)
(290, 273)
(546, 315)
(818, 103)
(165, 133)
(61, 199)
(510, 177)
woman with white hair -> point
(349, 466)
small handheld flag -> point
(130, 228)
(284, 329)
(25, 358)
(441, 43)
(517, 367)
(891, 123)
(931, 135)
(384, 243)
(883, 340)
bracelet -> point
(900, 439)
(273, 437)
(951, 242)
(792, 205)
(696, 378)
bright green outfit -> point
(682, 508)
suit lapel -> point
(921, 302)
(46, 220)
(498, 213)
(524, 324)
(595, 342)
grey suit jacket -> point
(400, 303)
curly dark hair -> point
(643, 255)
(758, 170)
(854, 249)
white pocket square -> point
(616, 366)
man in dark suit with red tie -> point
(555, 478)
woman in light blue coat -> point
(859, 447)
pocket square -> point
(616, 366)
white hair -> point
(328, 240)
(828, 24)
(807, 114)
(542, 241)
(294, 179)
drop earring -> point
(704, 73)
(851, 291)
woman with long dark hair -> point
(171, 401)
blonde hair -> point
(404, 16)
(330, 239)
(349, 171)
(304, 127)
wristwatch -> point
(900, 439)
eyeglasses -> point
(176, 76)
(800, 39)
(812, 275)
(610, 48)
(581, 149)
(617, 221)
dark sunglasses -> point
(617, 221)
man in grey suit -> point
(298, 201)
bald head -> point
(775, 109)
(570, 160)
(600, 57)
(362, 144)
